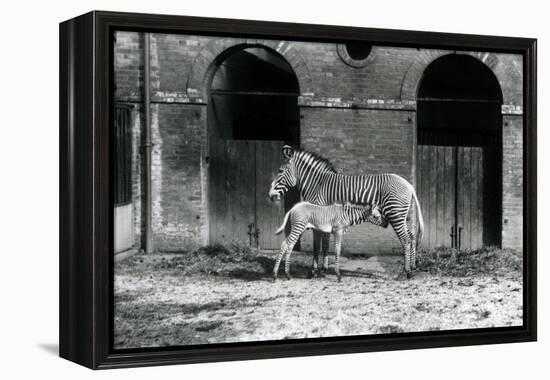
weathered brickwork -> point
(128, 66)
(362, 119)
(137, 164)
(512, 187)
(179, 215)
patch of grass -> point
(462, 263)
(234, 253)
(236, 260)
(210, 259)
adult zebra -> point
(319, 183)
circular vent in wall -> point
(356, 54)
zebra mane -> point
(325, 165)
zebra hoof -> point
(409, 275)
(339, 279)
(274, 278)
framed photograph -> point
(196, 155)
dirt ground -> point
(158, 304)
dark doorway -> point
(252, 112)
(459, 154)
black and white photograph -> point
(270, 189)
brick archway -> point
(216, 51)
(411, 81)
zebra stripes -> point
(329, 219)
(319, 183)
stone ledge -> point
(355, 103)
(510, 109)
(162, 97)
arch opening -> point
(252, 112)
(254, 93)
(459, 153)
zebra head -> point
(304, 170)
(286, 178)
(357, 213)
(283, 182)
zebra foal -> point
(333, 219)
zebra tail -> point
(420, 221)
(281, 229)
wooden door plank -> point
(440, 196)
(269, 215)
(473, 198)
(449, 203)
(478, 194)
(432, 195)
(428, 178)
(241, 189)
(460, 197)
(427, 175)
(436, 185)
(421, 188)
(224, 191)
(466, 192)
(230, 195)
(215, 184)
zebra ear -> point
(287, 151)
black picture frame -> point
(86, 258)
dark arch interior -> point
(458, 97)
(254, 95)
(458, 76)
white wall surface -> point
(29, 187)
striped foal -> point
(333, 219)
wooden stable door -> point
(451, 192)
(240, 176)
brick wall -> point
(128, 65)
(179, 215)
(512, 178)
(380, 79)
(362, 119)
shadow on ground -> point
(264, 271)
(261, 267)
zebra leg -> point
(337, 249)
(413, 250)
(287, 264)
(399, 224)
(279, 257)
(325, 244)
(290, 241)
(316, 244)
